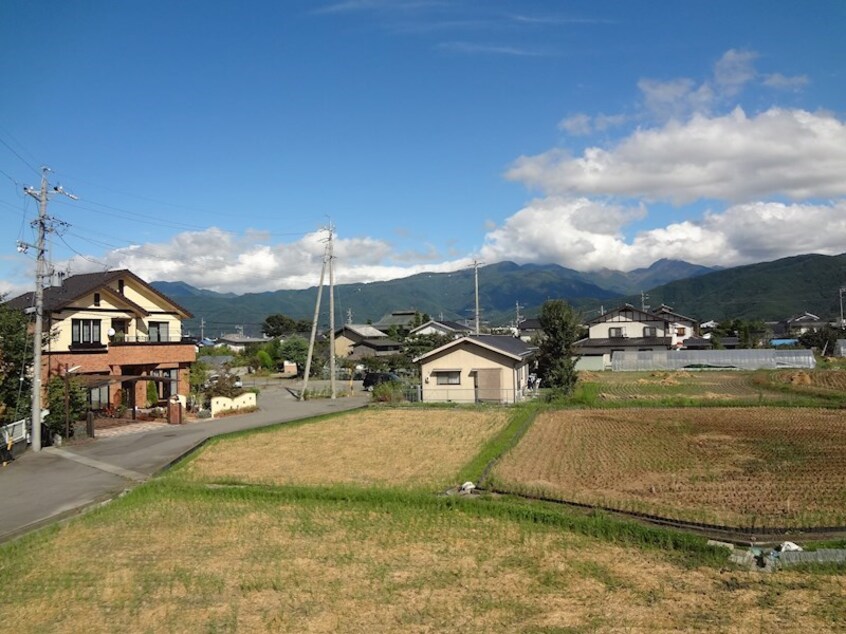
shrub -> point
(390, 392)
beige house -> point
(349, 335)
(115, 332)
(477, 368)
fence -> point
(769, 359)
(443, 394)
(19, 430)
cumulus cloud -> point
(225, 262)
(567, 231)
(793, 153)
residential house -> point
(376, 347)
(528, 329)
(441, 327)
(116, 333)
(679, 327)
(626, 329)
(238, 341)
(399, 320)
(350, 335)
(799, 325)
(477, 368)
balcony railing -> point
(121, 339)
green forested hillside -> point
(768, 290)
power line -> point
(25, 162)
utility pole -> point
(326, 256)
(842, 323)
(330, 248)
(202, 328)
(43, 224)
(476, 264)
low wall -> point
(222, 404)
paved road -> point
(39, 488)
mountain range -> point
(769, 291)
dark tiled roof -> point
(624, 342)
(504, 343)
(380, 343)
(530, 324)
(76, 286)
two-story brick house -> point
(116, 333)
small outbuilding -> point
(477, 368)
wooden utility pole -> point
(313, 328)
(327, 260)
(476, 277)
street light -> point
(67, 374)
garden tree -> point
(225, 386)
(295, 349)
(278, 325)
(750, 332)
(65, 397)
(265, 361)
(413, 347)
(152, 393)
(15, 364)
(198, 376)
(560, 329)
(823, 339)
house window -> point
(650, 331)
(159, 331)
(615, 332)
(166, 389)
(96, 299)
(121, 328)
(681, 331)
(120, 287)
(448, 378)
(98, 397)
(85, 331)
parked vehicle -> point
(372, 379)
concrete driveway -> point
(39, 488)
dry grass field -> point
(402, 447)
(776, 467)
(828, 380)
(165, 559)
(710, 385)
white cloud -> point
(733, 71)
(783, 82)
(794, 153)
(566, 231)
(576, 124)
(675, 99)
(222, 261)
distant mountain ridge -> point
(767, 290)
(502, 286)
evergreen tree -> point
(15, 364)
(560, 329)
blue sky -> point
(210, 141)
